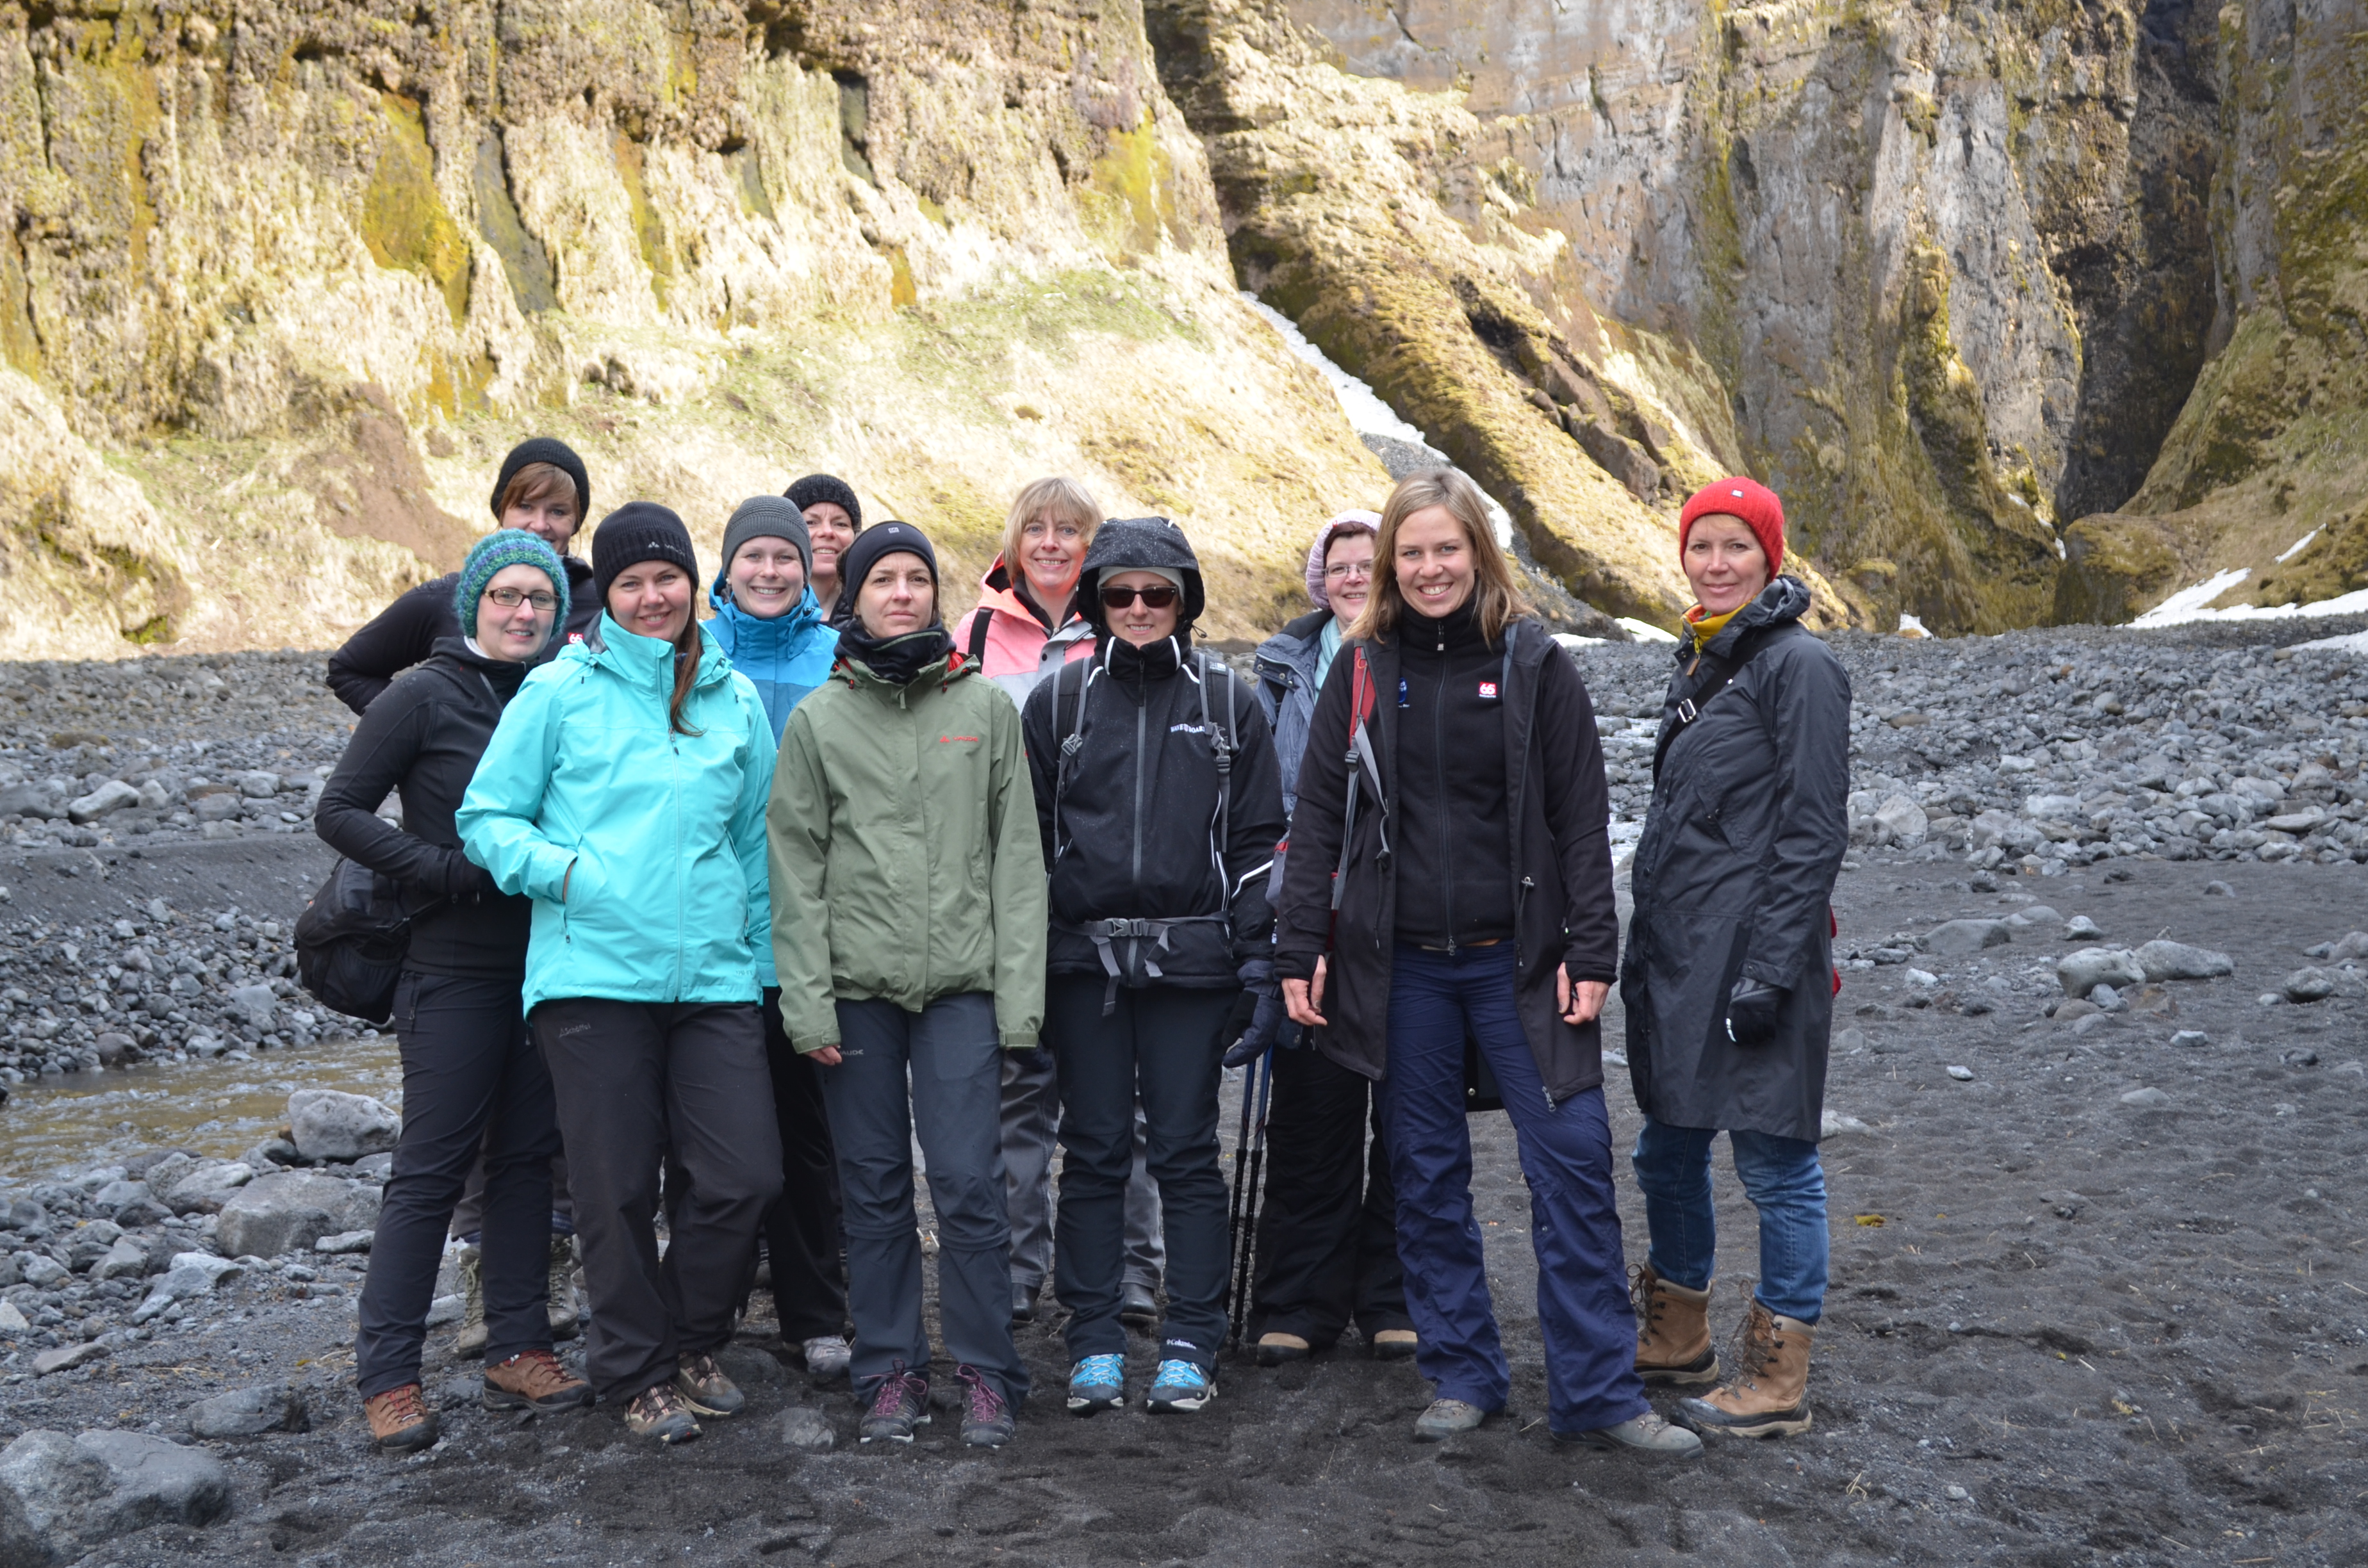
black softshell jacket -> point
(407, 631)
(1559, 867)
(1133, 836)
(1735, 876)
(425, 736)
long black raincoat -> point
(1734, 874)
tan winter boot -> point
(1769, 1396)
(1672, 1331)
(469, 1343)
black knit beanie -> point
(816, 487)
(559, 455)
(856, 562)
(635, 532)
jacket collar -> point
(999, 591)
(608, 645)
(755, 637)
(1783, 601)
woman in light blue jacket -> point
(624, 792)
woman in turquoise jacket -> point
(624, 793)
(767, 620)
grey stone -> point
(40, 1270)
(2354, 945)
(250, 1412)
(115, 1050)
(2177, 960)
(328, 1124)
(212, 808)
(1834, 1124)
(191, 1274)
(259, 785)
(207, 1186)
(1963, 1074)
(2147, 1098)
(22, 1214)
(2219, 889)
(373, 1167)
(2308, 986)
(2033, 915)
(125, 1259)
(343, 1242)
(2191, 1037)
(65, 1358)
(154, 1483)
(31, 800)
(116, 1194)
(1902, 822)
(289, 1212)
(807, 1430)
(256, 1004)
(2083, 972)
(13, 1323)
(2107, 1000)
(751, 1368)
(1956, 938)
(2052, 808)
(2081, 928)
(111, 796)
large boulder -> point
(207, 1186)
(60, 1497)
(289, 1211)
(328, 1124)
(2083, 972)
(1956, 938)
(2177, 960)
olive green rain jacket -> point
(906, 859)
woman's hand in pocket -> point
(824, 1056)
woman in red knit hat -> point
(1728, 979)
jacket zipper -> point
(1142, 708)
(1439, 769)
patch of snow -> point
(1645, 631)
(2187, 604)
(1366, 413)
(2060, 554)
(2298, 547)
(2357, 642)
(1909, 623)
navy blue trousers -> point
(1566, 1153)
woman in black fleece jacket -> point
(468, 1062)
(1473, 901)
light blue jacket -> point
(657, 838)
(784, 657)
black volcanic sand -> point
(2084, 1332)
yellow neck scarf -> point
(1709, 626)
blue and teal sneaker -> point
(1180, 1389)
(1098, 1384)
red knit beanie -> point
(1745, 498)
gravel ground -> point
(2098, 1290)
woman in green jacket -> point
(902, 831)
(624, 793)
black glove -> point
(1268, 1026)
(1751, 1009)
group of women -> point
(725, 915)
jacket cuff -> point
(1767, 974)
(805, 1044)
(1295, 966)
(1011, 1040)
(546, 872)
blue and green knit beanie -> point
(506, 546)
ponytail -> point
(688, 647)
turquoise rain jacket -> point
(784, 658)
(657, 838)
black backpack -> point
(351, 941)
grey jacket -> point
(1286, 689)
(1734, 874)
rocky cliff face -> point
(1946, 276)
(281, 280)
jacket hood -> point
(1133, 544)
(635, 657)
(806, 612)
(1785, 598)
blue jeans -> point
(1784, 1182)
(1566, 1152)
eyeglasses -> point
(510, 599)
(1158, 596)
(1347, 569)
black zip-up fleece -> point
(425, 738)
(1452, 841)
(406, 632)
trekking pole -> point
(1246, 1238)
(1240, 1195)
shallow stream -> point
(54, 1125)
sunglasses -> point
(1158, 596)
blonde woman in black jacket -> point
(1474, 896)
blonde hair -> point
(1065, 500)
(1495, 595)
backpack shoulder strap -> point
(1070, 743)
(982, 620)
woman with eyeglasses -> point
(472, 1076)
(1160, 804)
(1327, 1249)
(1027, 624)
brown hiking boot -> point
(705, 1389)
(1769, 1396)
(660, 1413)
(534, 1379)
(400, 1421)
(1672, 1331)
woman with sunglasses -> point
(1160, 802)
(472, 1077)
(1327, 1249)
